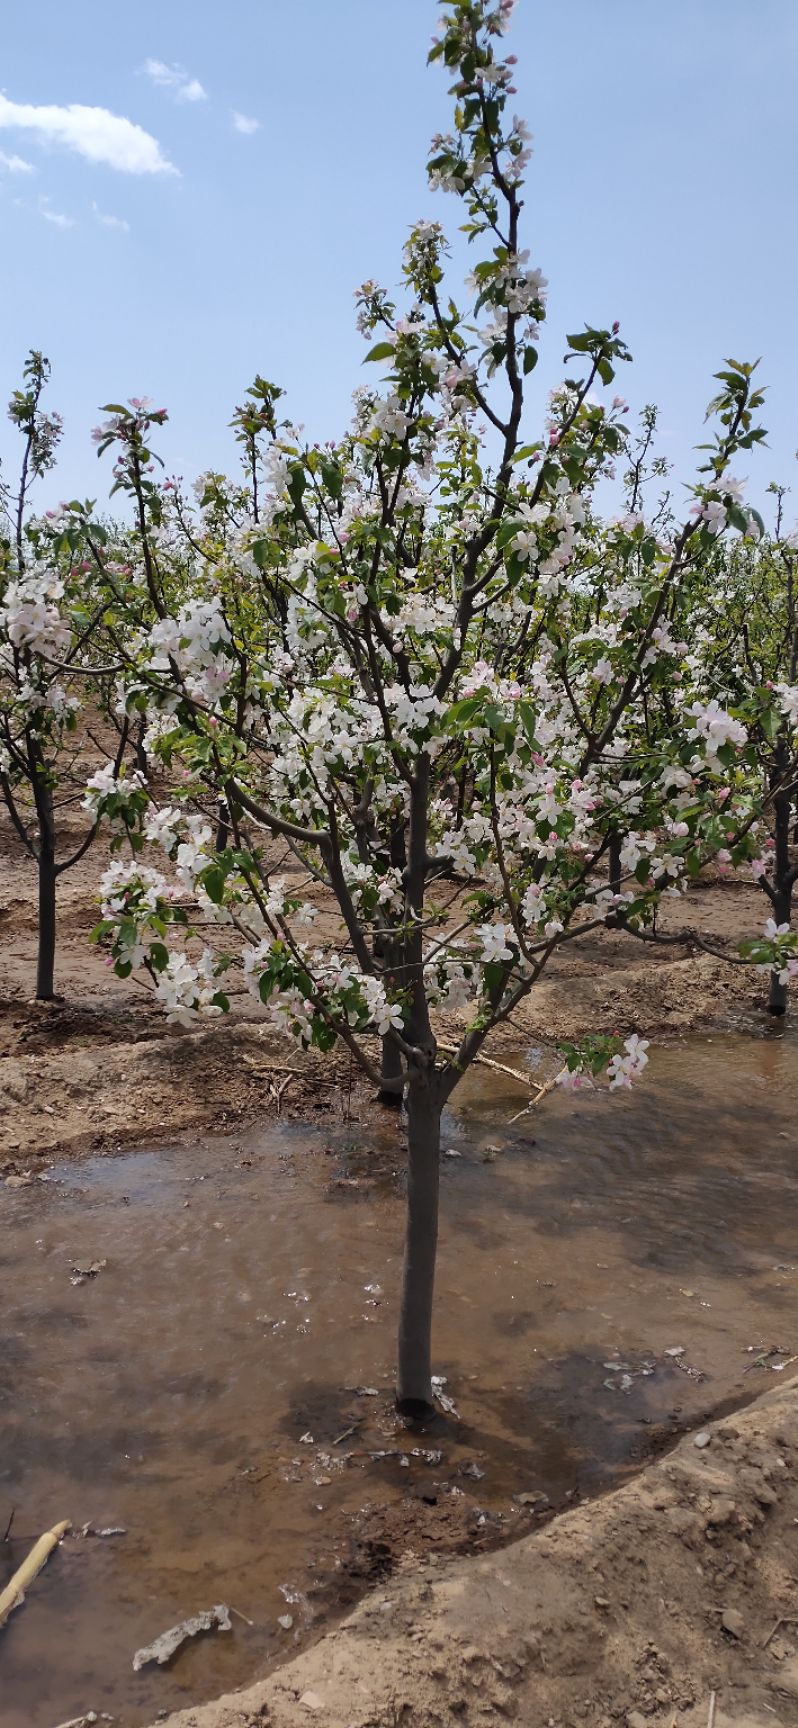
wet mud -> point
(197, 1347)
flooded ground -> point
(611, 1268)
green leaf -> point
(526, 715)
(297, 483)
(530, 359)
(380, 351)
(737, 517)
(333, 479)
(495, 719)
(212, 881)
(462, 713)
(771, 724)
(507, 532)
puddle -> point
(249, 1281)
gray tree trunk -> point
(141, 754)
(782, 904)
(45, 963)
(222, 827)
(392, 1071)
(414, 1385)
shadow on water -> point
(611, 1269)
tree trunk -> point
(141, 754)
(782, 811)
(777, 1000)
(392, 1071)
(45, 967)
(414, 1383)
(222, 827)
(43, 798)
(614, 862)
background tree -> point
(51, 618)
(742, 620)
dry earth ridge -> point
(672, 1600)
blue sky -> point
(661, 193)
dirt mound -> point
(671, 1600)
(63, 1098)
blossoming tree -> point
(417, 676)
(50, 621)
(744, 646)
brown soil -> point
(672, 1600)
(101, 1067)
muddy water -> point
(193, 1389)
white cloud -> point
(57, 218)
(15, 164)
(94, 133)
(243, 123)
(118, 222)
(175, 78)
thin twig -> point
(277, 1091)
(347, 1431)
(268, 1067)
(9, 1524)
(783, 1620)
(533, 1102)
(713, 1699)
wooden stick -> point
(783, 1620)
(533, 1102)
(713, 1699)
(771, 1635)
(14, 1592)
(499, 1067)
